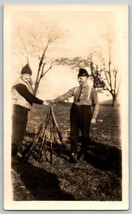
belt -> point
(79, 104)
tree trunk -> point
(35, 88)
(114, 100)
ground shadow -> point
(105, 157)
(102, 156)
(41, 184)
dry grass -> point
(98, 178)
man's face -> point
(82, 80)
(26, 77)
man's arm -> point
(63, 97)
(95, 105)
(24, 92)
(95, 111)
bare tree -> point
(104, 73)
(109, 72)
(108, 76)
(35, 41)
(105, 76)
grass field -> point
(98, 178)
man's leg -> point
(19, 121)
(85, 120)
(74, 128)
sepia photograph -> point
(66, 106)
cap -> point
(26, 70)
(83, 72)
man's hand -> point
(50, 101)
(93, 121)
(46, 102)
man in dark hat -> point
(83, 112)
(23, 98)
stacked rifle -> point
(48, 135)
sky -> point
(86, 26)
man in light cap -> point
(23, 98)
(83, 112)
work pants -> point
(80, 119)
(19, 122)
